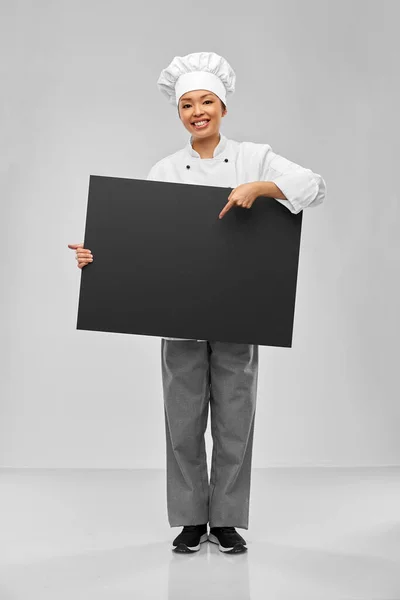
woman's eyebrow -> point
(203, 96)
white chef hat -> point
(197, 71)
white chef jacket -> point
(234, 163)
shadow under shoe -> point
(228, 540)
(190, 538)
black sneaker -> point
(228, 540)
(190, 538)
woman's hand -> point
(244, 195)
(82, 255)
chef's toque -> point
(197, 71)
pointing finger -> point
(227, 207)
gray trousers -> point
(225, 375)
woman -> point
(199, 373)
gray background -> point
(315, 80)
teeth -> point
(200, 122)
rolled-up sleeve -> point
(302, 187)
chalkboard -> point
(165, 265)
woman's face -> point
(199, 105)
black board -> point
(165, 265)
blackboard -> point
(165, 265)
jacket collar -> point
(218, 150)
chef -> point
(197, 374)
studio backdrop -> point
(79, 98)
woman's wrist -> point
(270, 190)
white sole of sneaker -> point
(214, 540)
(203, 538)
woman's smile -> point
(203, 124)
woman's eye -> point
(185, 105)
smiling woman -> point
(197, 374)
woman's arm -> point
(290, 184)
(270, 190)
